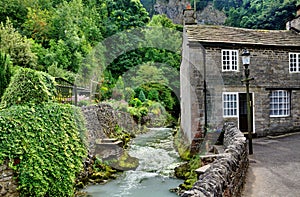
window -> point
(279, 103)
(230, 60)
(294, 62)
(230, 105)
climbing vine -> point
(29, 87)
(45, 143)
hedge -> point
(47, 142)
(29, 87)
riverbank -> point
(157, 160)
(109, 132)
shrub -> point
(143, 111)
(5, 72)
(142, 96)
(129, 94)
(48, 141)
(29, 87)
(135, 102)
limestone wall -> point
(225, 176)
(8, 184)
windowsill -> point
(230, 71)
(280, 116)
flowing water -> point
(153, 178)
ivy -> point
(47, 140)
(29, 86)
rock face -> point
(8, 185)
(210, 16)
(173, 9)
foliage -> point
(5, 72)
(188, 173)
(29, 87)
(227, 4)
(16, 46)
(124, 15)
(200, 5)
(149, 6)
(142, 96)
(47, 140)
(129, 94)
(165, 96)
(38, 25)
(135, 102)
(54, 71)
(261, 14)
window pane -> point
(279, 103)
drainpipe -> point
(204, 89)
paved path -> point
(274, 169)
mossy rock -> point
(125, 162)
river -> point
(154, 175)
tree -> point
(16, 46)
(124, 15)
(262, 14)
(5, 72)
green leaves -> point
(5, 72)
(48, 140)
(29, 86)
(261, 14)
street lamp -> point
(246, 62)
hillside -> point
(255, 14)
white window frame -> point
(280, 103)
(230, 61)
(294, 62)
(229, 106)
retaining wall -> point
(225, 176)
(8, 185)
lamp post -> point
(246, 62)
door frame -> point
(252, 109)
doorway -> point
(243, 123)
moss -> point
(125, 162)
(180, 144)
(187, 172)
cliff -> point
(173, 9)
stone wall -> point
(225, 176)
(8, 185)
(102, 120)
(270, 69)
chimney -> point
(189, 16)
(298, 10)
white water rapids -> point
(153, 178)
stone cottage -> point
(212, 70)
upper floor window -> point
(230, 105)
(230, 60)
(294, 62)
(279, 103)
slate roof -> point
(233, 35)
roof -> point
(233, 35)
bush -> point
(135, 102)
(142, 96)
(48, 141)
(5, 72)
(129, 94)
(29, 87)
